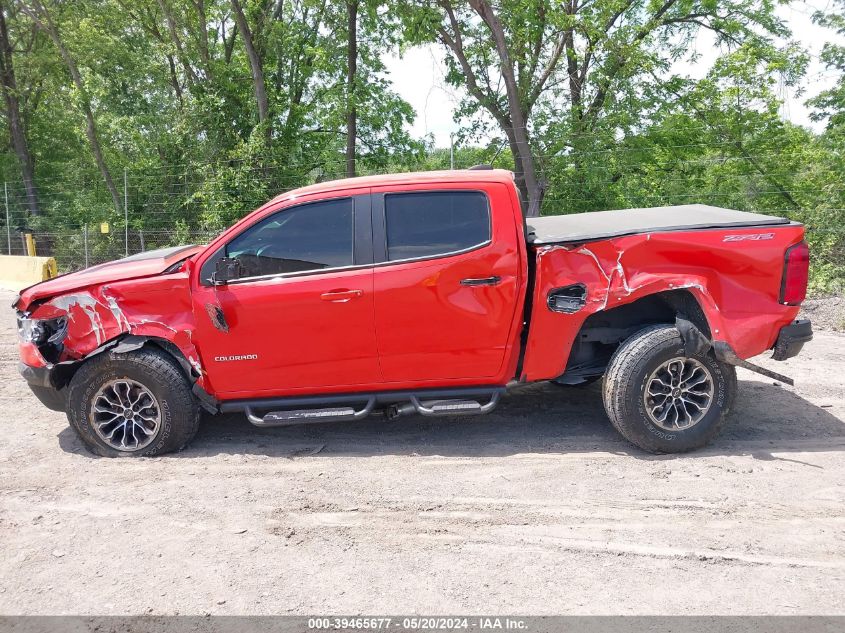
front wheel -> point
(132, 404)
(662, 400)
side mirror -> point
(225, 270)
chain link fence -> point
(75, 249)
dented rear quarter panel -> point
(736, 283)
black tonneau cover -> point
(599, 225)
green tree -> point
(829, 104)
(533, 63)
(15, 120)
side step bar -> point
(302, 416)
(444, 407)
(353, 407)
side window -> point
(303, 238)
(433, 223)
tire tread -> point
(184, 408)
(619, 384)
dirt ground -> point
(826, 313)
(537, 509)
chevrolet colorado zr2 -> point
(423, 293)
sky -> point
(419, 76)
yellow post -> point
(30, 244)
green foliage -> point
(170, 86)
(171, 89)
(830, 103)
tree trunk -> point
(202, 20)
(518, 171)
(174, 79)
(519, 132)
(351, 74)
(43, 20)
(256, 68)
(177, 43)
(17, 133)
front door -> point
(300, 316)
(446, 284)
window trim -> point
(302, 273)
(379, 211)
(362, 240)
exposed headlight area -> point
(46, 334)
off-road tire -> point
(160, 374)
(626, 379)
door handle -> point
(484, 281)
(341, 296)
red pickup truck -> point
(423, 293)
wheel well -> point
(603, 332)
(176, 353)
(63, 373)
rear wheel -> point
(133, 404)
(662, 400)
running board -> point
(310, 416)
(445, 407)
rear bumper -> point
(792, 338)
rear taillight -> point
(796, 269)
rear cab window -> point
(435, 223)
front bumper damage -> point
(38, 376)
(49, 381)
(41, 384)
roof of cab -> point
(417, 177)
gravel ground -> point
(537, 509)
(826, 313)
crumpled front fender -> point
(123, 315)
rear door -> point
(446, 282)
(300, 318)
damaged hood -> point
(145, 264)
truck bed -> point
(599, 225)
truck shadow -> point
(537, 418)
